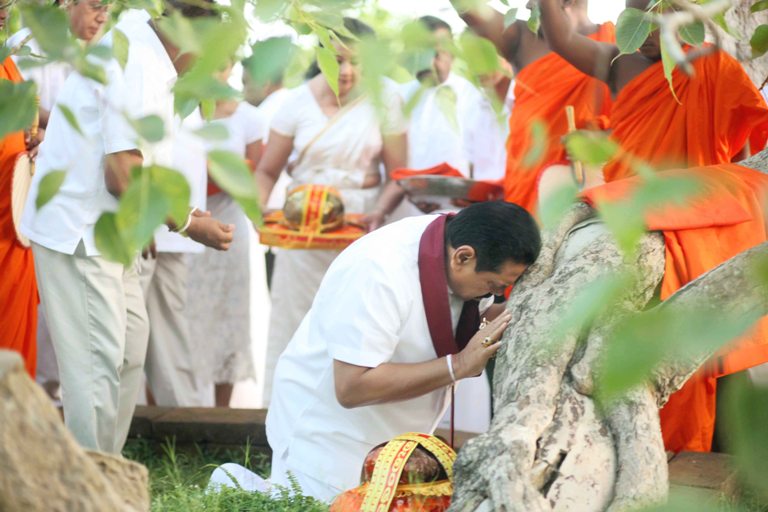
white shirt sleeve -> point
(286, 119)
(255, 125)
(394, 122)
(122, 96)
(359, 315)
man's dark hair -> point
(434, 23)
(498, 232)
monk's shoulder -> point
(530, 47)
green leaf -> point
(668, 64)
(641, 342)
(213, 131)
(120, 47)
(759, 41)
(109, 241)
(175, 187)
(326, 60)
(446, 102)
(70, 117)
(591, 148)
(17, 106)
(268, 10)
(693, 34)
(509, 18)
(268, 58)
(539, 139)
(5, 52)
(534, 22)
(632, 29)
(48, 187)
(479, 54)
(232, 174)
(50, 27)
(746, 418)
(719, 18)
(143, 208)
(149, 128)
(758, 6)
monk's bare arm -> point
(587, 55)
(489, 23)
(357, 386)
(271, 163)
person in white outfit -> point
(224, 299)
(96, 310)
(338, 142)
(173, 365)
(86, 19)
(393, 327)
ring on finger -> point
(487, 341)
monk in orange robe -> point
(717, 117)
(545, 84)
(18, 289)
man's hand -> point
(209, 231)
(33, 143)
(471, 361)
(374, 220)
(426, 207)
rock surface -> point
(42, 468)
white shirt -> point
(245, 126)
(434, 138)
(485, 139)
(48, 77)
(143, 88)
(368, 311)
(189, 158)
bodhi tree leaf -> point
(326, 60)
(175, 187)
(231, 173)
(446, 102)
(759, 41)
(17, 106)
(479, 54)
(50, 27)
(120, 47)
(632, 29)
(758, 6)
(149, 128)
(534, 22)
(48, 187)
(593, 148)
(143, 208)
(668, 64)
(693, 34)
(70, 117)
(509, 18)
(539, 138)
(268, 59)
(213, 131)
(109, 241)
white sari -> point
(342, 156)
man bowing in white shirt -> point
(392, 327)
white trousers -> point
(172, 368)
(99, 329)
(236, 476)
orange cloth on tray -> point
(18, 288)
(542, 91)
(720, 110)
(722, 220)
(442, 169)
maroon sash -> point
(434, 290)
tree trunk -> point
(548, 447)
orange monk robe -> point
(720, 110)
(723, 219)
(18, 289)
(542, 91)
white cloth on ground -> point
(368, 311)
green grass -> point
(178, 477)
